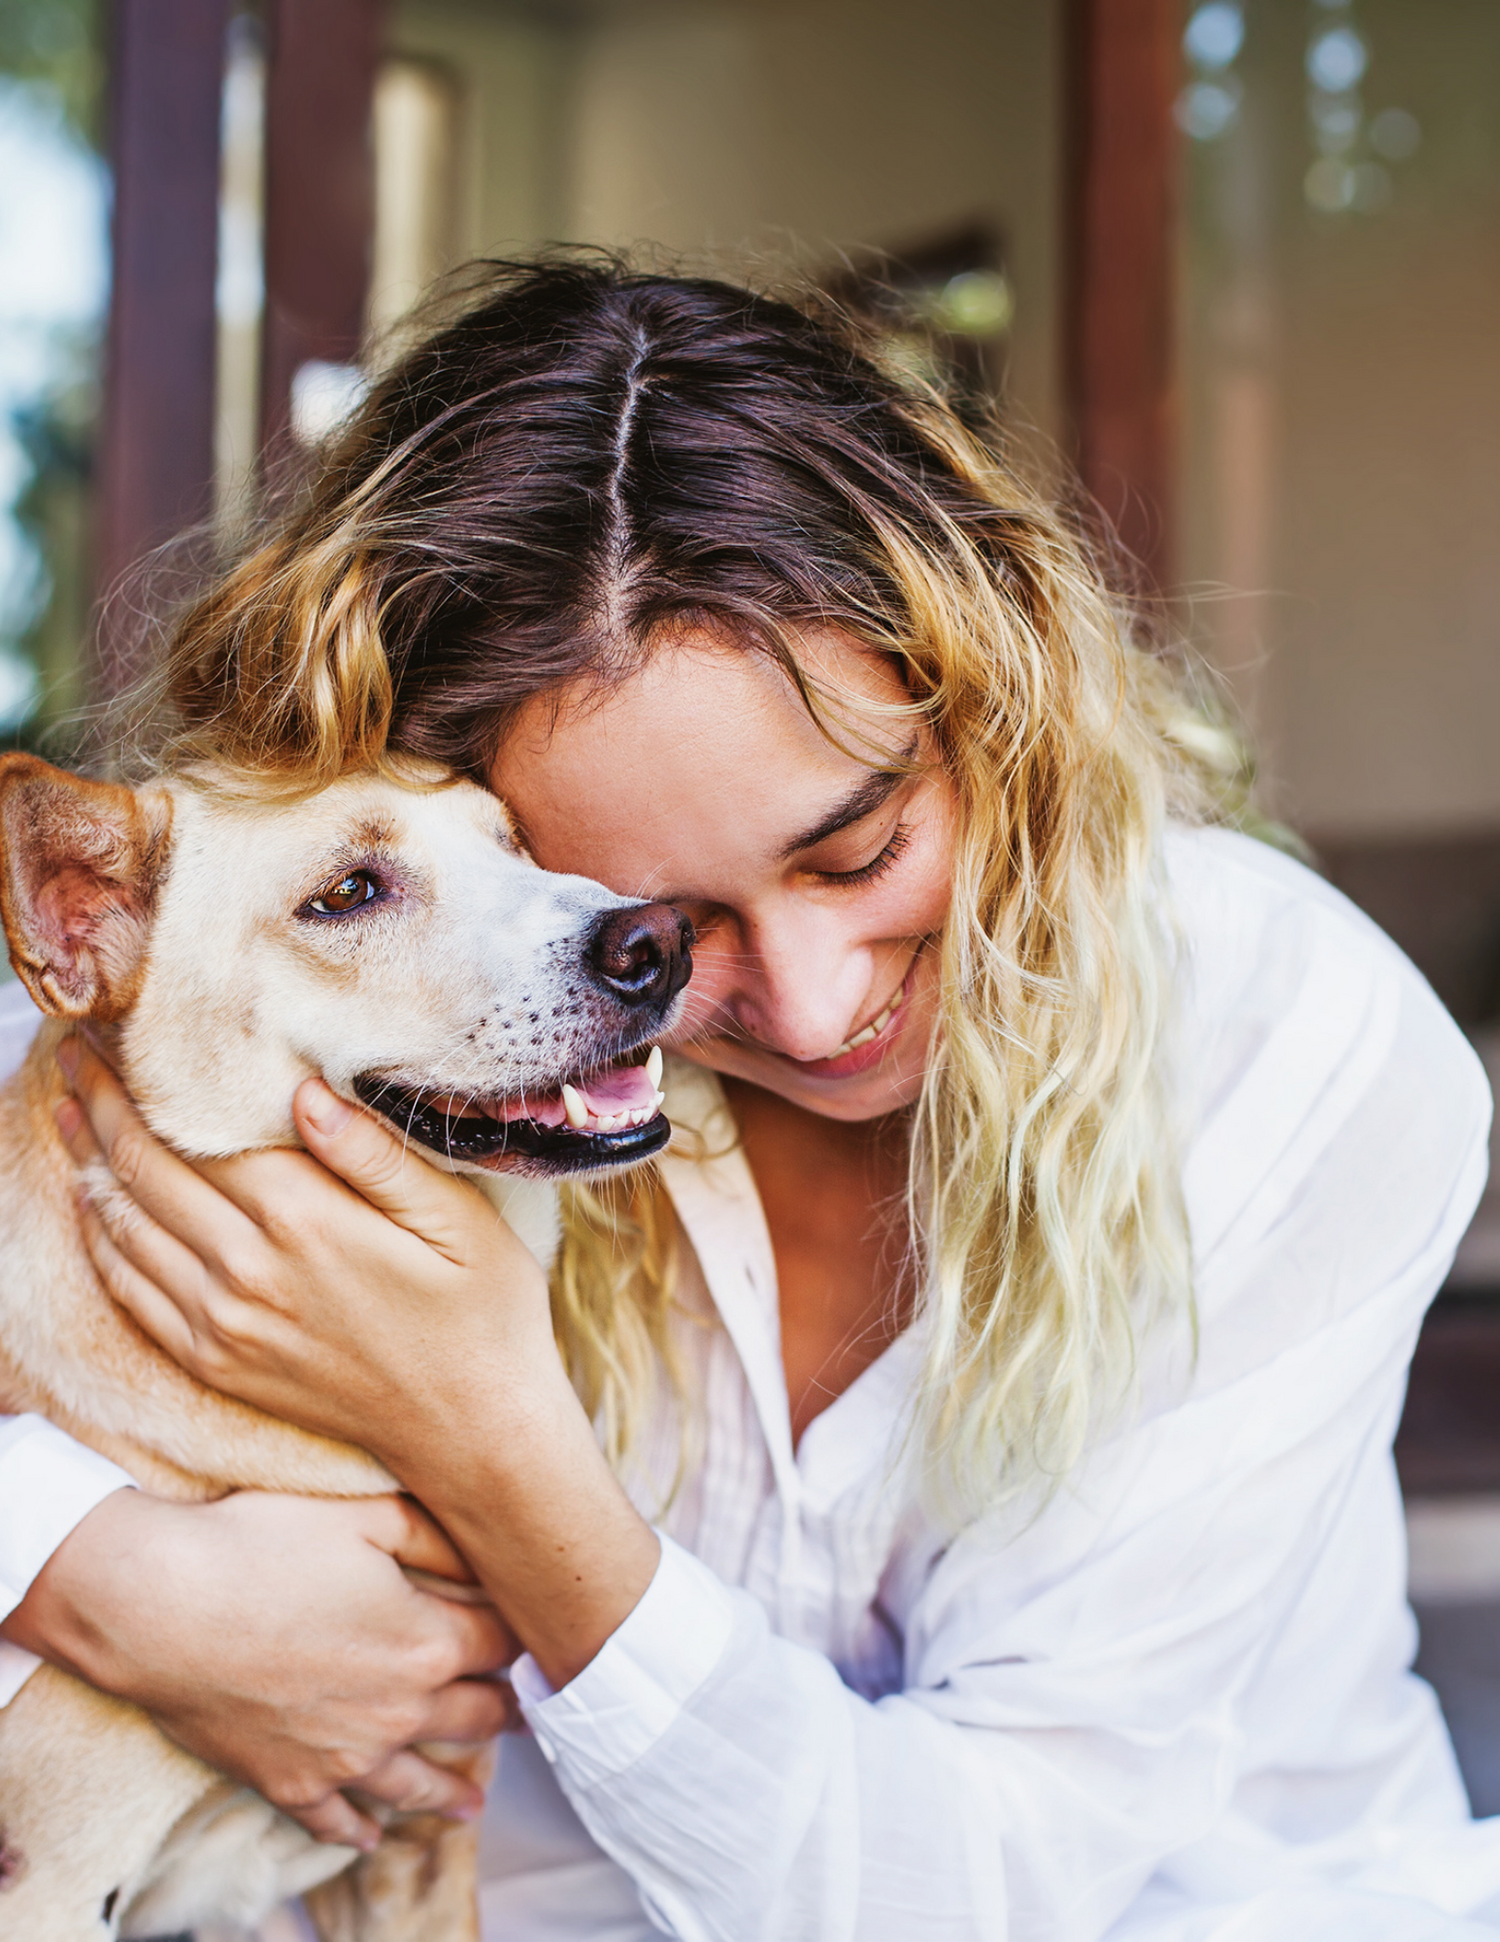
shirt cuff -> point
(48, 1485)
(639, 1681)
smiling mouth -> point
(607, 1118)
(867, 1033)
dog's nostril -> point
(643, 956)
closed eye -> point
(343, 894)
(877, 866)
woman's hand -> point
(279, 1640)
(358, 1291)
(373, 1311)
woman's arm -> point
(48, 1485)
(279, 1639)
(396, 1311)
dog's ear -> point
(79, 867)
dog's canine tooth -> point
(573, 1106)
(653, 1067)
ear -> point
(80, 863)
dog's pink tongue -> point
(624, 1089)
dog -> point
(225, 941)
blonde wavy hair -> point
(583, 459)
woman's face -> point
(817, 883)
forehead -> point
(706, 746)
(361, 815)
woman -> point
(956, 1499)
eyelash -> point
(877, 865)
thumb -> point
(379, 1166)
(400, 1526)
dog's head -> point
(392, 938)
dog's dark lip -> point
(484, 1141)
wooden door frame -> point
(1123, 67)
(155, 475)
(156, 454)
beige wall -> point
(765, 131)
(1343, 433)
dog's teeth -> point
(660, 1100)
(653, 1067)
(861, 1038)
(573, 1106)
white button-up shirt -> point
(1172, 1704)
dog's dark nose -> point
(642, 956)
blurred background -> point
(1238, 264)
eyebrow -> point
(863, 800)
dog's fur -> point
(177, 919)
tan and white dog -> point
(225, 944)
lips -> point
(871, 1031)
(606, 1118)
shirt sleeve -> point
(48, 1482)
(48, 1485)
(1170, 1705)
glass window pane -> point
(54, 270)
(1342, 392)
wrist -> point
(490, 1412)
(70, 1613)
(545, 1526)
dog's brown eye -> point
(347, 893)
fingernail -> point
(69, 1116)
(324, 1110)
(468, 1810)
(67, 1058)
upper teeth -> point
(872, 1030)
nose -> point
(642, 956)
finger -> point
(338, 1822)
(481, 1640)
(471, 1711)
(414, 1785)
(77, 1134)
(141, 1299)
(478, 1639)
(399, 1525)
(171, 1191)
(380, 1167)
(157, 1256)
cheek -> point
(718, 965)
